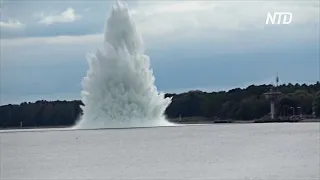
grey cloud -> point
(26, 12)
(60, 69)
(224, 57)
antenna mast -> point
(277, 81)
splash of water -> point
(119, 89)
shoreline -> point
(203, 122)
(249, 121)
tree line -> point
(241, 104)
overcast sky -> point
(207, 45)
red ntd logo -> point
(279, 18)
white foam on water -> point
(119, 88)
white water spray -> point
(119, 90)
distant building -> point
(272, 96)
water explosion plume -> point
(119, 88)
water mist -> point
(119, 88)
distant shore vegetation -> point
(240, 104)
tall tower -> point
(277, 82)
(272, 96)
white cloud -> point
(58, 40)
(184, 20)
(87, 9)
(194, 18)
(12, 24)
(68, 15)
(1, 6)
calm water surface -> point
(243, 151)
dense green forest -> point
(241, 104)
